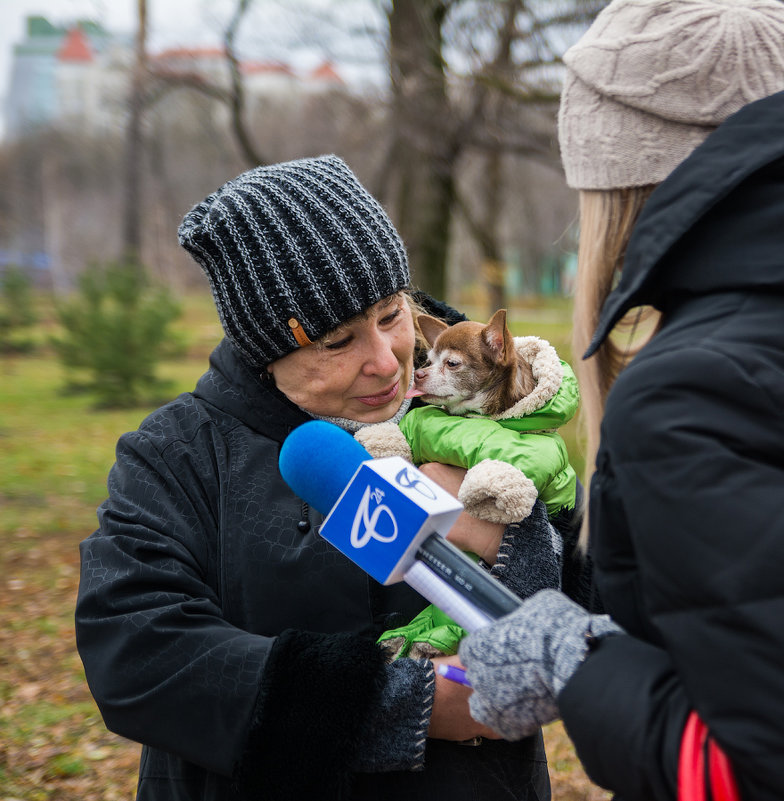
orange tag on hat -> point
(299, 332)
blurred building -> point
(78, 76)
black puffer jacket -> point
(687, 525)
(217, 627)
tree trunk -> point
(493, 265)
(132, 228)
(422, 151)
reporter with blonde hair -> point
(672, 127)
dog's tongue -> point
(414, 393)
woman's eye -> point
(341, 343)
(390, 318)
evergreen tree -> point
(116, 329)
(16, 309)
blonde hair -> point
(606, 221)
(421, 345)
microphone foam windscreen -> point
(317, 460)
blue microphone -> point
(391, 520)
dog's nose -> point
(420, 374)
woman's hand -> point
(468, 533)
(450, 718)
(519, 664)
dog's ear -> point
(498, 337)
(430, 327)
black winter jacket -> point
(687, 526)
(218, 628)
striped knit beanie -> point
(292, 251)
(651, 79)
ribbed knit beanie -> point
(292, 251)
(651, 79)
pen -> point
(454, 673)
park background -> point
(445, 109)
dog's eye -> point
(453, 363)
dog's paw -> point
(497, 492)
(424, 650)
(384, 439)
(394, 648)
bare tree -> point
(461, 71)
(132, 229)
(237, 95)
(147, 87)
(422, 154)
(486, 226)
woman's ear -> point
(430, 327)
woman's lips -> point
(383, 397)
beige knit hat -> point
(650, 79)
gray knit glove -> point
(519, 664)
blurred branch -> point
(237, 95)
(167, 80)
(233, 96)
(499, 65)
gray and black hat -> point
(292, 251)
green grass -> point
(55, 443)
(55, 448)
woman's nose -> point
(381, 358)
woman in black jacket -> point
(215, 625)
(672, 127)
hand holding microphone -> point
(391, 520)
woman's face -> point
(360, 371)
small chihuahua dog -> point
(472, 368)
